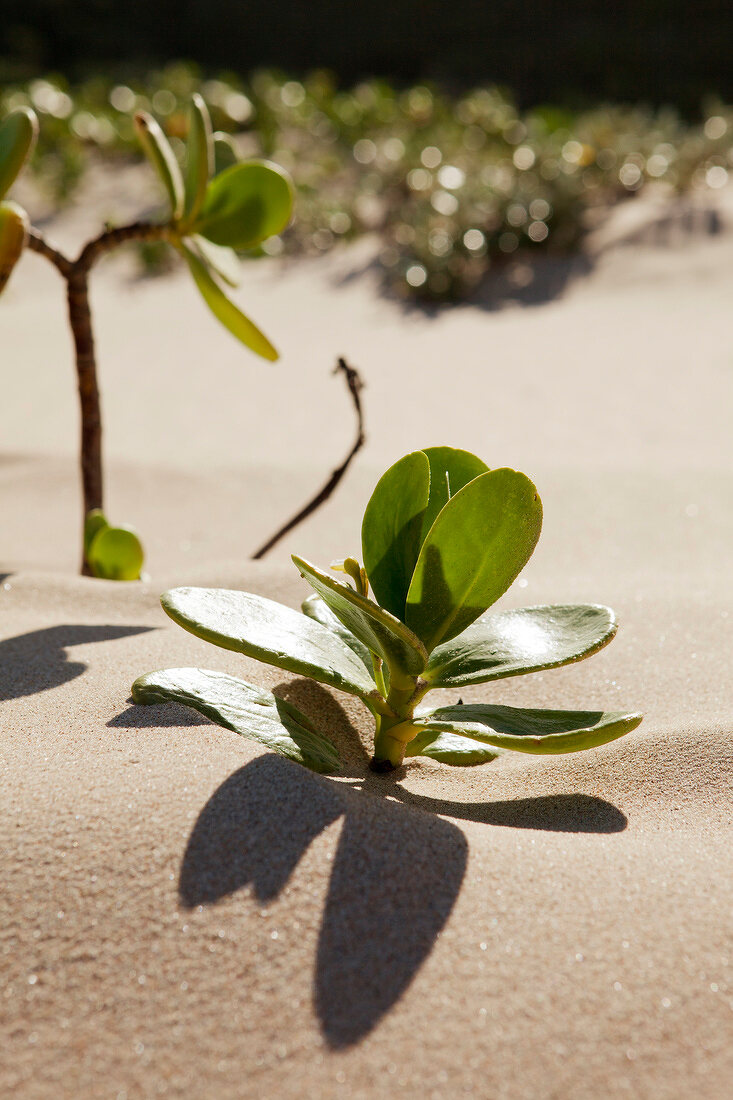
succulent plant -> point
(443, 538)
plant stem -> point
(394, 732)
(76, 274)
(355, 384)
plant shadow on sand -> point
(396, 875)
(37, 661)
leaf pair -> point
(243, 205)
(112, 553)
(443, 537)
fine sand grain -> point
(183, 914)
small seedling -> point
(113, 553)
(443, 537)
(212, 215)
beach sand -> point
(184, 914)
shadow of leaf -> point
(556, 813)
(37, 661)
(395, 879)
(398, 868)
(154, 716)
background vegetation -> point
(451, 184)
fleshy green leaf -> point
(478, 545)
(450, 470)
(534, 731)
(376, 628)
(269, 632)
(116, 554)
(158, 151)
(94, 522)
(224, 262)
(245, 204)
(14, 227)
(18, 133)
(225, 152)
(224, 308)
(391, 530)
(242, 708)
(315, 608)
(450, 748)
(511, 643)
(199, 158)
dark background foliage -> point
(574, 52)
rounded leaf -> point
(224, 309)
(540, 732)
(450, 748)
(18, 133)
(450, 469)
(478, 545)
(116, 554)
(199, 157)
(245, 204)
(158, 151)
(94, 522)
(512, 643)
(14, 226)
(243, 708)
(225, 152)
(269, 632)
(391, 530)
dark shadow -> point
(521, 280)
(4, 576)
(395, 879)
(156, 715)
(398, 867)
(37, 661)
(556, 813)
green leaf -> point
(478, 545)
(242, 708)
(224, 308)
(450, 748)
(116, 554)
(511, 643)
(94, 522)
(14, 228)
(391, 530)
(224, 262)
(246, 204)
(534, 731)
(450, 470)
(269, 632)
(18, 134)
(380, 631)
(225, 152)
(158, 151)
(315, 608)
(199, 158)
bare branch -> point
(355, 385)
(38, 243)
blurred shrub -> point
(451, 185)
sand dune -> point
(184, 914)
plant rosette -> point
(443, 538)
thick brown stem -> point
(76, 273)
(91, 418)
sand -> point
(183, 914)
